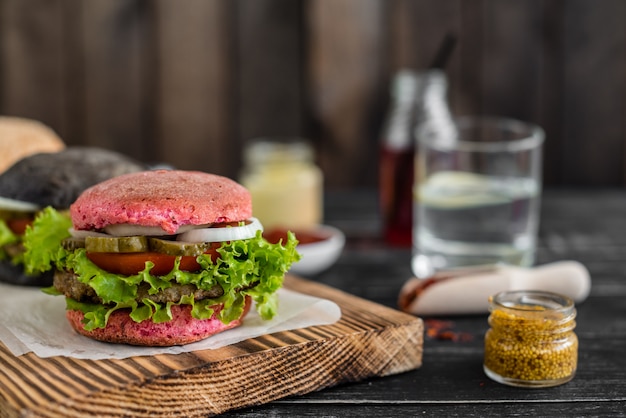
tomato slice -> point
(18, 226)
(129, 264)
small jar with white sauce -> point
(285, 183)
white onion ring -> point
(18, 205)
(82, 233)
(228, 233)
(186, 233)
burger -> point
(21, 137)
(160, 258)
(48, 179)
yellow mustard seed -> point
(531, 340)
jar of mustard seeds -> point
(531, 342)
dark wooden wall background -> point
(188, 82)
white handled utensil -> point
(467, 290)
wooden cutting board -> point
(369, 340)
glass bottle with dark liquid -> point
(396, 161)
(396, 182)
(417, 98)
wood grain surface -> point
(369, 340)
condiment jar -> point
(285, 183)
(531, 342)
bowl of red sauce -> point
(319, 247)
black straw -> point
(444, 51)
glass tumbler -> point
(477, 194)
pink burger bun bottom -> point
(182, 329)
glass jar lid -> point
(278, 151)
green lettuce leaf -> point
(241, 265)
(42, 241)
(6, 237)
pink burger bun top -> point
(165, 198)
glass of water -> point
(477, 193)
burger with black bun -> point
(161, 258)
(52, 179)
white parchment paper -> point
(33, 321)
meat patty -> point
(67, 283)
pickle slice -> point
(73, 243)
(135, 244)
(177, 248)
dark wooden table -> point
(588, 226)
